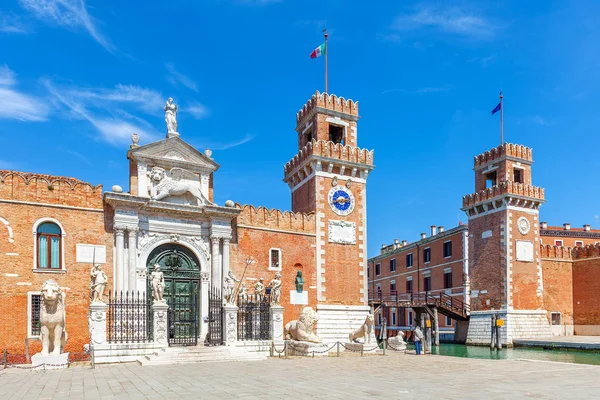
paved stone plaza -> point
(396, 376)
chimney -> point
(543, 225)
(404, 242)
(433, 230)
(586, 227)
(396, 243)
(440, 229)
(567, 226)
(423, 235)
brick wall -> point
(586, 286)
(77, 206)
(557, 271)
(487, 268)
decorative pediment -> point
(173, 152)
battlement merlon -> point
(517, 152)
(327, 156)
(327, 104)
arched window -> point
(49, 242)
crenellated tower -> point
(328, 176)
(505, 268)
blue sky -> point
(78, 78)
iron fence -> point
(254, 317)
(129, 318)
(215, 318)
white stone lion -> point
(163, 185)
(364, 331)
(52, 319)
(301, 329)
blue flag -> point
(498, 108)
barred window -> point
(34, 314)
(275, 259)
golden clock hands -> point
(342, 200)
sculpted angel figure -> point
(98, 284)
(243, 295)
(158, 283)
(228, 289)
(171, 116)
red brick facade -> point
(26, 201)
(444, 273)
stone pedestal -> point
(230, 324)
(298, 348)
(298, 298)
(97, 323)
(371, 348)
(277, 324)
(161, 323)
(50, 361)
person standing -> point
(418, 339)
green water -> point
(568, 356)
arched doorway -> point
(181, 271)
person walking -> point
(418, 339)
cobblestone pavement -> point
(395, 376)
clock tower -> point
(328, 177)
(505, 269)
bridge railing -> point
(421, 299)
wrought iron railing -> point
(254, 317)
(129, 318)
(215, 318)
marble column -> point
(204, 289)
(132, 265)
(120, 261)
(225, 267)
(215, 276)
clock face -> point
(341, 200)
(523, 225)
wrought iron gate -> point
(254, 318)
(215, 318)
(183, 312)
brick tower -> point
(328, 177)
(505, 267)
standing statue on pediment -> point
(171, 116)
(275, 286)
(98, 283)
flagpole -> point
(326, 56)
(501, 120)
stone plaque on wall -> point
(91, 253)
(342, 232)
(524, 250)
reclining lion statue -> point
(52, 319)
(364, 331)
(301, 329)
(164, 185)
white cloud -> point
(17, 105)
(147, 99)
(11, 24)
(197, 110)
(70, 13)
(234, 143)
(540, 121)
(113, 129)
(448, 20)
(177, 78)
(7, 76)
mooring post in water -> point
(493, 339)
(499, 323)
(436, 325)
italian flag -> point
(319, 51)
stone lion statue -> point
(301, 329)
(52, 319)
(164, 185)
(364, 331)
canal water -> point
(568, 356)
